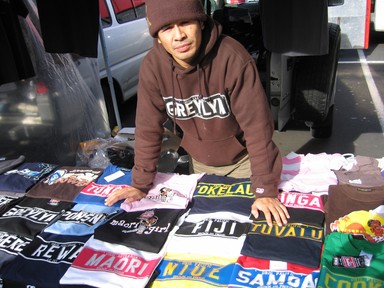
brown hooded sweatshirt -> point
(219, 104)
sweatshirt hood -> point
(211, 33)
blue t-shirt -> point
(82, 219)
(113, 174)
(23, 177)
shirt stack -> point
(204, 250)
(286, 254)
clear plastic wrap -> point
(46, 117)
(100, 152)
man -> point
(208, 84)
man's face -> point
(182, 40)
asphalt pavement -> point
(358, 125)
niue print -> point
(147, 220)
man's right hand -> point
(130, 194)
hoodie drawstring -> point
(199, 81)
(173, 99)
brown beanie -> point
(164, 12)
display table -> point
(190, 231)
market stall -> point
(192, 230)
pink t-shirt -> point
(309, 173)
(169, 190)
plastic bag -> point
(99, 153)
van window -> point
(140, 8)
(104, 14)
(128, 10)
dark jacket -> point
(221, 108)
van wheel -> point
(323, 129)
(315, 78)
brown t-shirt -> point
(344, 199)
(64, 183)
(364, 173)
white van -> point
(127, 41)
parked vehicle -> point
(63, 104)
(377, 15)
(127, 41)
(296, 51)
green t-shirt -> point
(341, 265)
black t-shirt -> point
(28, 217)
(217, 194)
(294, 242)
(142, 230)
(10, 246)
(44, 261)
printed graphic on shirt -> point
(24, 176)
(296, 230)
(271, 279)
(169, 191)
(50, 251)
(12, 243)
(34, 214)
(82, 217)
(178, 271)
(76, 177)
(34, 175)
(166, 195)
(141, 230)
(366, 224)
(301, 200)
(128, 265)
(146, 224)
(4, 200)
(100, 190)
(214, 106)
(220, 190)
(330, 278)
(213, 227)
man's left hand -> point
(271, 207)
